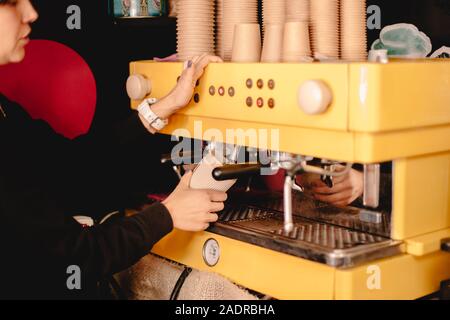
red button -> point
(260, 102)
(221, 91)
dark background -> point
(108, 49)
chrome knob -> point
(314, 97)
(138, 87)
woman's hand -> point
(346, 189)
(193, 210)
(181, 94)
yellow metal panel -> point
(276, 274)
(421, 192)
(374, 97)
(370, 101)
(401, 277)
(426, 244)
(163, 76)
(337, 145)
(381, 147)
(287, 277)
(399, 95)
(287, 79)
(291, 139)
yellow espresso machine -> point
(290, 247)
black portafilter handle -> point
(445, 245)
(235, 171)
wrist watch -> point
(146, 112)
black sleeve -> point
(32, 224)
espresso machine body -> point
(286, 245)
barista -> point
(40, 242)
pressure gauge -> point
(211, 252)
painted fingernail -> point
(189, 64)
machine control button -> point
(271, 84)
(196, 98)
(212, 90)
(138, 87)
(231, 91)
(260, 84)
(271, 103)
(211, 252)
(314, 97)
(249, 83)
(221, 91)
(260, 102)
(249, 101)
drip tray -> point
(333, 245)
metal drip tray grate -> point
(328, 236)
(304, 207)
(323, 242)
(244, 213)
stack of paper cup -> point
(235, 12)
(246, 43)
(296, 43)
(273, 43)
(297, 10)
(353, 30)
(195, 28)
(219, 28)
(273, 12)
(325, 28)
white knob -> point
(314, 97)
(138, 87)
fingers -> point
(196, 59)
(340, 179)
(205, 222)
(334, 198)
(217, 196)
(186, 180)
(335, 189)
(189, 167)
(216, 206)
(198, 64)
(188, 73)
(211, 217)
(318, 184)
(341, 203)
(203, 62)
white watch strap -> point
(145, 111)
